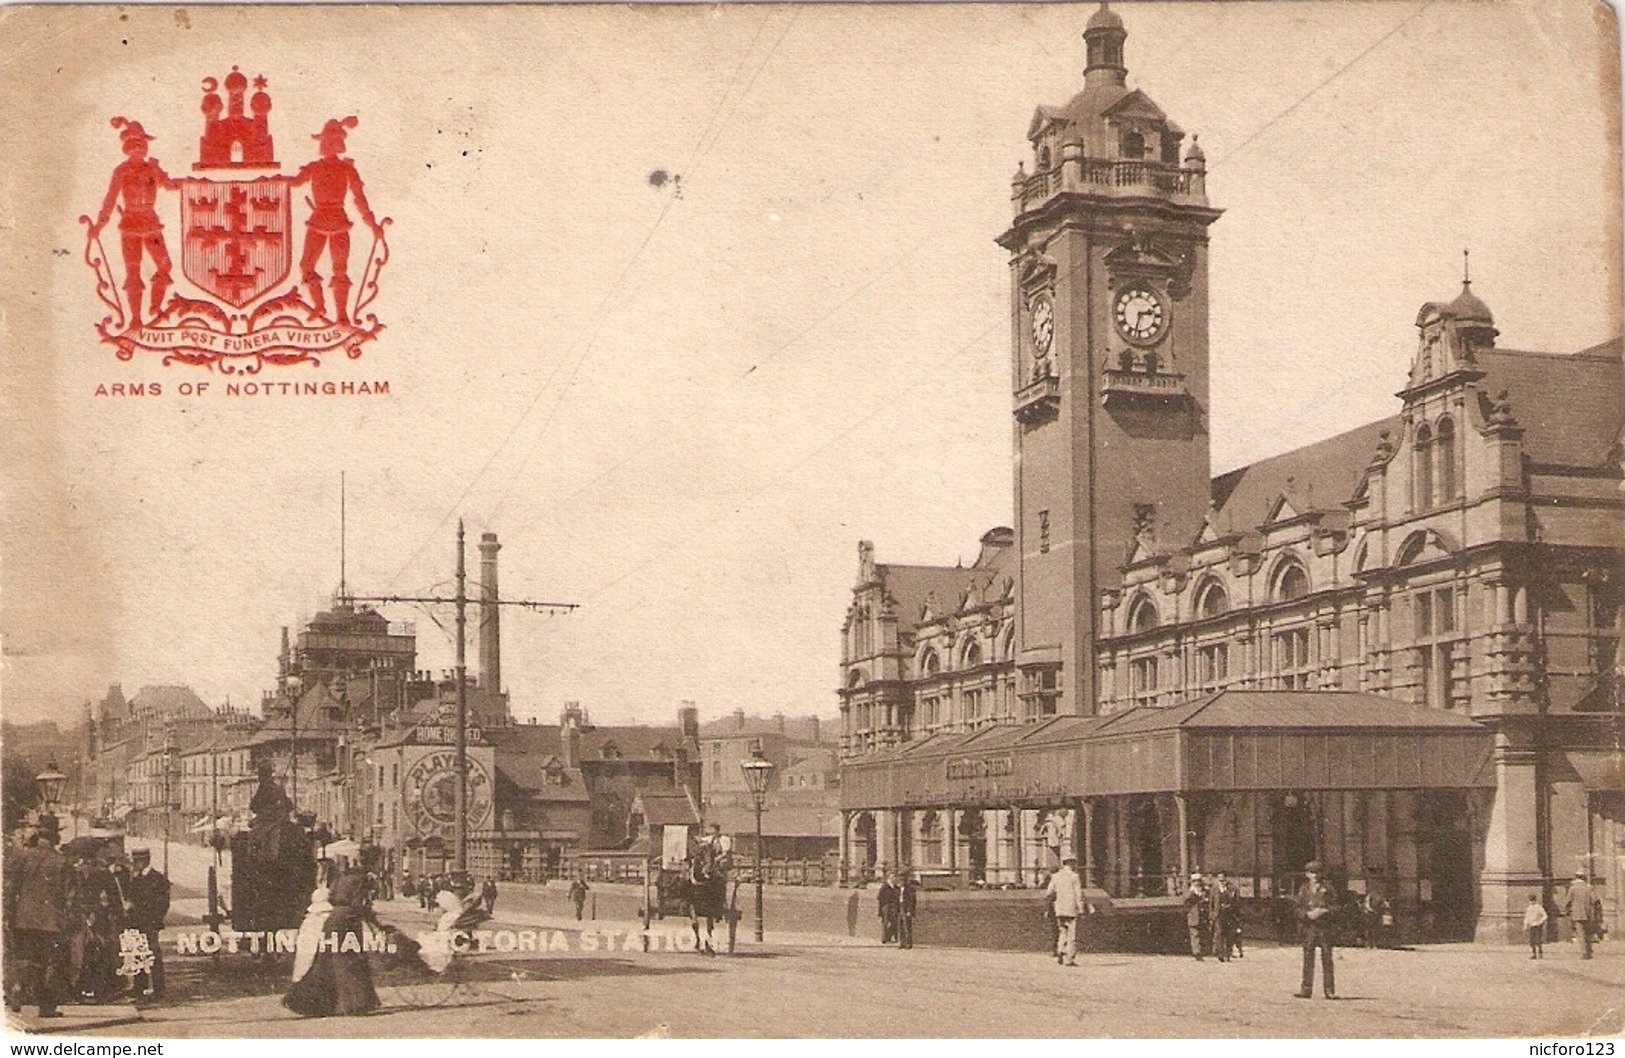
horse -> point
(706, 882)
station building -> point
(1393, 650)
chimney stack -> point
(813, 727)
(688, 738)
(490, 621)
(570, 734)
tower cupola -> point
(1103, 44)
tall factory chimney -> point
(490, 621)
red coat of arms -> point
(235, 306)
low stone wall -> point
(1014, 920)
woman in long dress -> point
(330, 973)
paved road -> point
(837, 987)
(808, 986)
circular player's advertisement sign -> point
(431, 794)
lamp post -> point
(758, 770)
(51, 781)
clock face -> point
(1140, 315)
(1043, 326)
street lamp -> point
(758, 770)
(50, 782)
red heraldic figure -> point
(137, 180)
(331, 178)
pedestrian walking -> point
(578, 895)
(1065, 891)
(36, 917)
(1222, 905)
(146, 906)
(488, 895)
(889, 899)
(1196, 913)
(1534, 923)
(1584, 908)
(1315, 909)
(908, 902)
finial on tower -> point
(1466, 270)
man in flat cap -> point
(1314, 908)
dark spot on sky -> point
(658, 178)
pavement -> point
(594, 979)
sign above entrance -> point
(980, 767)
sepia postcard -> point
(814, 520)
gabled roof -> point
(667, 809)
(632, 742)
(1319, 476)
(170, 700)
(1570, 407)
(528, 775)
(1139, 105)
(1232, 710)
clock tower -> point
(1108, 306)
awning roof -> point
(1600, 770)
(1229, 741)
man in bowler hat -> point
(146, 904)
(1314, 908)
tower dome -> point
(1105, 18)
(1468, 307)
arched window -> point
(1212, 600)
(1422, 464)
(930, 664)
(1043, 159)
(854, 679)
(1133, 145)
(970, 655)
(1007, 651)
(1142, 615)
(1444, 449)
(1291, 582)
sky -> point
(681, 403)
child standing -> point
(1534, 922)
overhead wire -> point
(597, 316)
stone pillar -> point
(1511, 846)
(1182, 812)
(846, 845)
(1083, 840)
(885, 839)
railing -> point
(788, 872)
(1038, 399)
(1164, 385)
(1113, 173)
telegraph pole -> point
(461, 861)
(460, 601)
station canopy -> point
(1227, 741)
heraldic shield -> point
(236, 239)
(238, 304)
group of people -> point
(69, 921)
(898, 900)
(428, 888)
(1211, 916)
(1582, 904)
